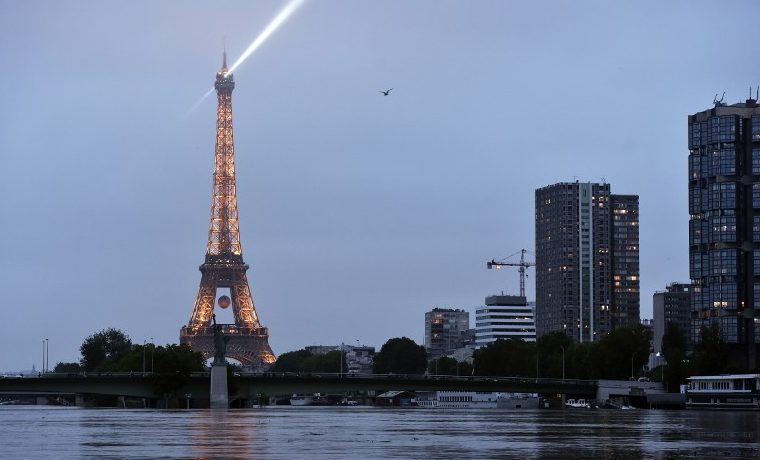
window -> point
(695, 138)
(756, 228)
(756, 194)
(756, 261)
(755, 161)
(723, 195)
(756, 127)
(723, 262)
(723, 295)
(723, 162)
(723, 228)
(695, 201)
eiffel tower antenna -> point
(223, 266)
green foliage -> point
(711, 353)
(291, 361)
(104, 348)
(67, 368)
(172, 367)
(400, 355)
(622, 353)
(449, 366)
(674, 346)
(510, 357)
(305, 361)
(615, 356)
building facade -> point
(359, 358)
(673, 305)
(504, 317)
(445, 330)
(587, 260)
(724, 224)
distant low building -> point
(673, 305)
(359, 358)
(445, 330)
(505, 317)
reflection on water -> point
(364, 432)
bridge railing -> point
(335, 375)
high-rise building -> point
(724, 224)
(673, 305)
(504, 317)
(445, 330)
(587, 260)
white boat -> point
(729, 392)
(476, 400)
(301, 400)
(578, 404)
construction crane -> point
(522, 264)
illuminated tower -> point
(224, 267)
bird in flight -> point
(386, 92)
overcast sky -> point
(358, 212)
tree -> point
(104, 348)
(173, 365)
(622, 353)
(305, 361)
(506, 357)
(449, 366)
(67, 368)
(710, 354)
(291, 361)
(674, 351)
(554, 351)
(400, 355)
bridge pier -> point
(219, 397)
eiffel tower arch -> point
(223, 266)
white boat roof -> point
(724, 377)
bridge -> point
(250, 386)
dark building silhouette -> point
(587, 260)
(724, 224)
(673, 305)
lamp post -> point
(47, 356)
(563, 361)
(662, 367)
(144, 357)
(152, 347)
(43, 356)
(632, 356)
(341, 359)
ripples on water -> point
(365, 432)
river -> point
(368, 432)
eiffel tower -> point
(224, 266)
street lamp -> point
(152, 347)
(634, 354)
(144, 341)
(563, 361)
(43, 355)
(662, 367)
(47, 355)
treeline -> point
(111, 350)
(305, 361)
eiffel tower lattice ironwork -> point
(224, 266)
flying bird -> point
(385, 93)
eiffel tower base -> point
(219, 397)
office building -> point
(445, 330)
(673, 305)
(587, 260)
(504, 317)
(724, 225)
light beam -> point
(278, 20)
(269, 30)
